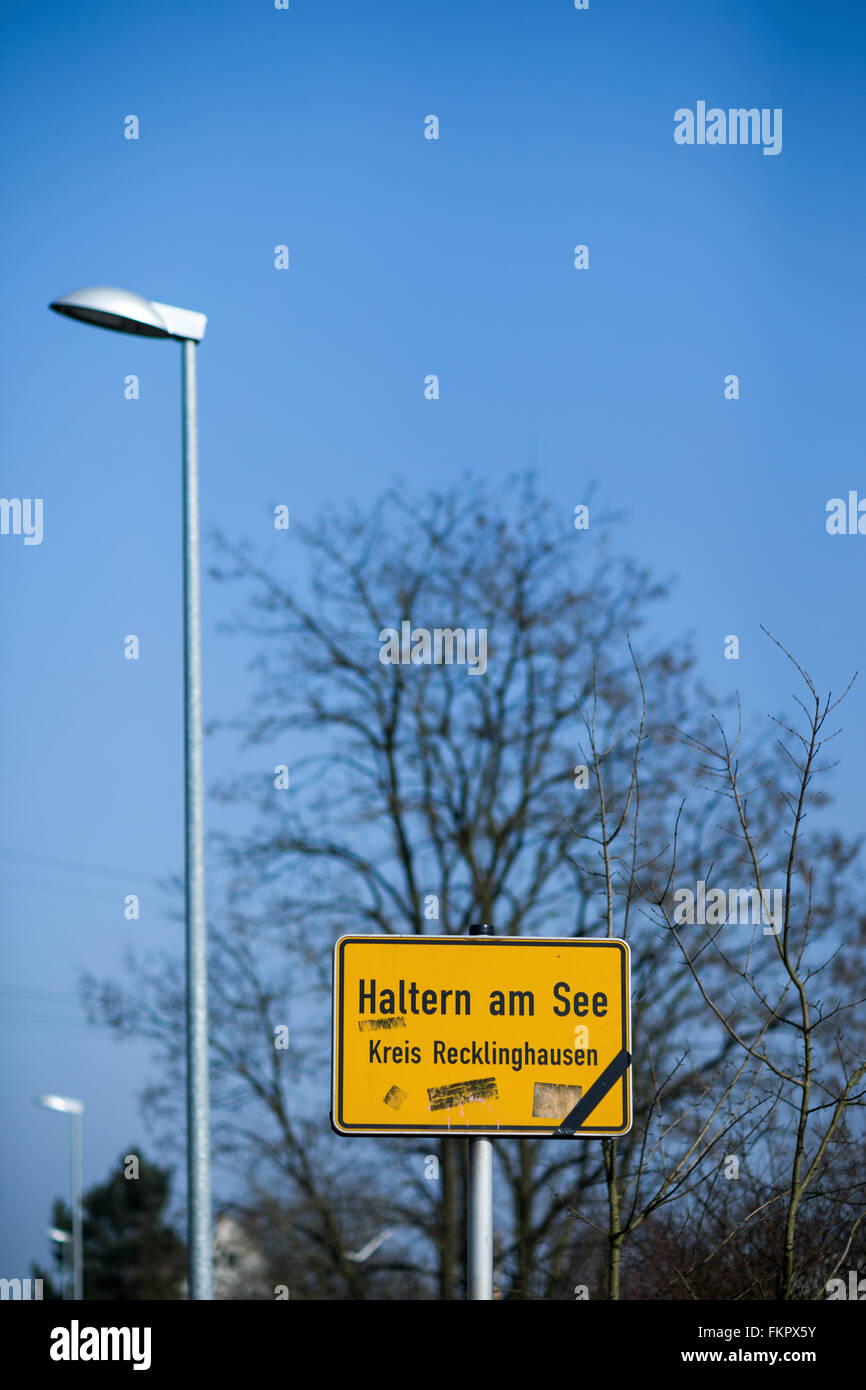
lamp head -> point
(125, 312)
(66, 1104)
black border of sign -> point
(370, 1128)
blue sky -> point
(408, 256)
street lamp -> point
(75, 1110)
(371, 1247)
(125, 312)
(61, 1238)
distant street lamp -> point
(130, 313)
(371, 1247)
(74, 1109)
(62, 1238)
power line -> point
(76, 866)
(44, 995)
(37, 1020)
(56, 890)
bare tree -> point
(441, 794)
(766, 993)
(425, 797)
(686, 1108)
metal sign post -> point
(481, 1219)
(480, 1261)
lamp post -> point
(74, 1109)
(61, 1238)
(125, 312)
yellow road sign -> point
(481, 1035)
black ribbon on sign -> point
(599, 1088)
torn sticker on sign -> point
(369, 1025)
(462, 1093)
(551, 1101)
(395, 1097)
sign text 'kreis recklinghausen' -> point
(481, 1035)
